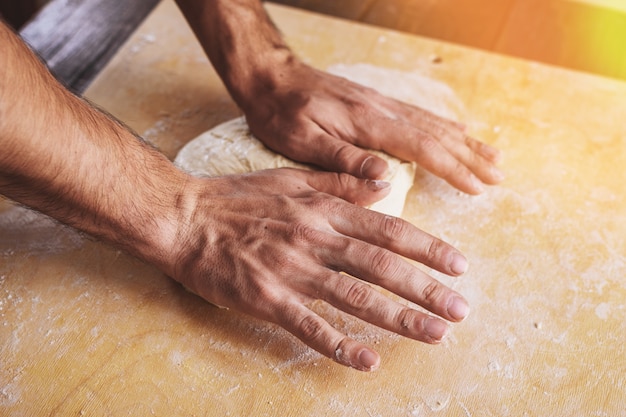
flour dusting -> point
(409, 87)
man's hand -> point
(318, 118)
(271, 242)
(315, 117)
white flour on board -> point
(409, 87)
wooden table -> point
(88, 330)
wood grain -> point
(87, 330)
(77, 38)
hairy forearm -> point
(64, 158)
(242, 43)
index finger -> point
(401, 237)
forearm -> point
(64, 158)
(242, 43)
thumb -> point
(340, 156)
(362, 192)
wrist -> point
(242, 43)
(154, 224)
(266, 79)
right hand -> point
(270, 242)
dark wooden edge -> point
(77, 38)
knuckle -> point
(341, 354)
(383, 262)
(431, 292)
(359, 103)
(301, 233)
(321, 202)
(404, 319)
(471, 143)
(358, 295)
(428, 144)
(344, 154)
(345, 181)
(442, 132)
(311, 328)
(393, 228)
(438, 253)
(457, 170)
(436, 249)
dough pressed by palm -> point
(230, 148)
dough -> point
(230, 148)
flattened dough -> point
(230, 148)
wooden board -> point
(586, 35)
(75, 49)
(87, 330)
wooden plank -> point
(77, 38)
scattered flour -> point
(603, 311)
(409, 87)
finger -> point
(362, 301)
(399, 236)
(321, 336)
(488, 152)
(477, 156)
(358, 191)
(411, 144)
(386, 269)
(427, 120)
(466, 153)
(340, 156)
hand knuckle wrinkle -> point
(382, 263)
(358, 296)
(431, 292)
(404, 318)
(301, 232)
(428, 145)
(393, 228)
(435, 249)
(311, 328)
(344, 154)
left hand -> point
(269, 243)
(318, 118)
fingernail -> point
(497, 174)
(459, 264)
(373, 168)
(458, 308)
(494, 154)
(377, 185)
(368, 359)
(436, 329)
